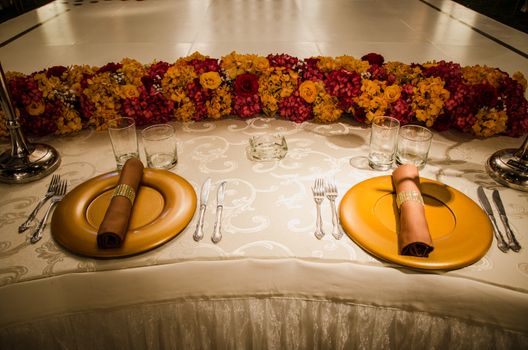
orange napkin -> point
(413, 238)
(114, 227)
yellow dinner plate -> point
(164, 206)
(460, 230)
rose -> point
(36, 108)
(392, 93)
(210, 80)
(373, 58)
(246, 85)
(308, 91)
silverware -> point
(331, 194)
(217, 234)
(512, 241)
(57, 197)
(204, 195)
(49, 193)
(318, 195)
(487, 207)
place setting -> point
(407, 219)
(123, 212)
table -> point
(269, 283)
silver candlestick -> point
(25, 162)
(509, 167)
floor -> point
(66, 32)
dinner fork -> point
(50, 192)
(318, 194)
(57, 197)
(331, 194)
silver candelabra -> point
(25, 161)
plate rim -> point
(107, 181)
(385, 182)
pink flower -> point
(295, 108)
(247, 106)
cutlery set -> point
(55, 193)
(204, 195)
(512, 243)
(320, 190)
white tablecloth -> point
(269, 283)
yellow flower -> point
(210, 80)
(36, 108)
(392, 93)
(128, 91)
(308, 91)
(519, 77)
(489, 122)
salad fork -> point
(57, 197)
(318, 194)
(55, 179)
(331, 194)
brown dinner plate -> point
(460, 230)
(164, 206)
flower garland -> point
(477, 99)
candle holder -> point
(25, 161)
(509, 167)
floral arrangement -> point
(480, 100)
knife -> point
(487, 207)
(204, 195)
(217, 234)
(512, 241)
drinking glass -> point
(383, 138)
(414, 142)
(124, 141)
(160, 146)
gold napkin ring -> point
(125, 191)
(407, 196)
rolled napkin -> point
(414, 238)
(114, 227)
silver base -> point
(41, 161)
(508, 169)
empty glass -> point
(267, 147)
(383, 138)
(159, 142)
(123, 136)
(414, 142)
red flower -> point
(56, 71)
(110, 67)
(373, 58)
(246, 85)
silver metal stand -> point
(509, 167)
(25, 162)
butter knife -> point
(204, 195)
(217, 233)
(512, 241)
(487, 207)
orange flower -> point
(210, 80)
(308, 91)
(36, 108)
(392, 93)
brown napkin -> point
(114, 226)
(414, 238)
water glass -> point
(124, 141)
(267, 147)
(383, 138)
(414, 143)
(160, 146)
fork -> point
(318, 194)
(331, 194)
(50, 192)
(57, 197)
